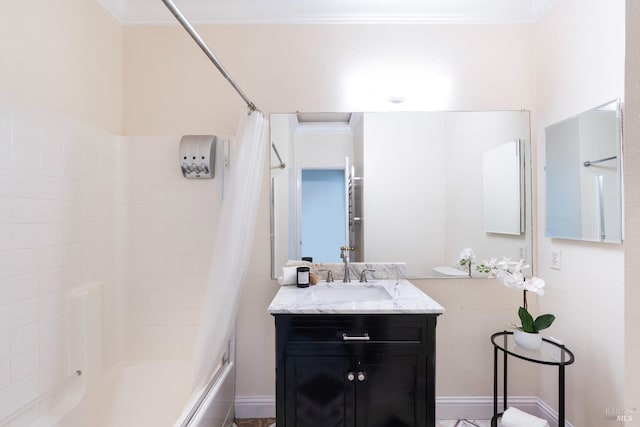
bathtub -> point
(154, 393)
(141, 393)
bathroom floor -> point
(254, 422)
(268, 422)
(464, 423)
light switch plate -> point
(555, 259)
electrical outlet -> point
(555, 259)
(522, 252)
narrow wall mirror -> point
(584, 178)
(418, 187)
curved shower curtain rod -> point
(200, 42)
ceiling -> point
(331, 11)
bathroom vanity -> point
(353, 354)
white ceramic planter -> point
(527, 340)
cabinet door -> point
(318, 392)
(393, 392)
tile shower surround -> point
(76, 207)
(170, 232)
(57, 223)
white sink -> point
(350, 292)
(389, 296)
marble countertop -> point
(376, 297)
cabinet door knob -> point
(351, 376)
(361, 376)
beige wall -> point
(65, 55)
(632, 207)
(579, 50)
(170, 88)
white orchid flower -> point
(510, 280)
(535, 285)
(509, 274)
(467, 253)
(466, 259)
(488, 266)
(518, 265)
(523, 266)
(512, 266)
(503, 263)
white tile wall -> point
(78, 205)
(171, 224)
(56, 207)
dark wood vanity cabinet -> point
(357, 370)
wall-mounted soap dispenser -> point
(198, 156)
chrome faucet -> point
(344, 254)
(363, 275)
(329, 275)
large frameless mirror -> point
(584, 177)
(413, 187)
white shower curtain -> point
(232, 247)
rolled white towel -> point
(289, 276)
(514, 417)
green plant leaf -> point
(543, 321)
(526, 319)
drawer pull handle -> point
(351, 376)
(364, 337)
(361, 376)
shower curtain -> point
(232, 247)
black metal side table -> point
(551, 353)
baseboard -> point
(255, 407)
(549, 414)
(447, 407)
(480, 407)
